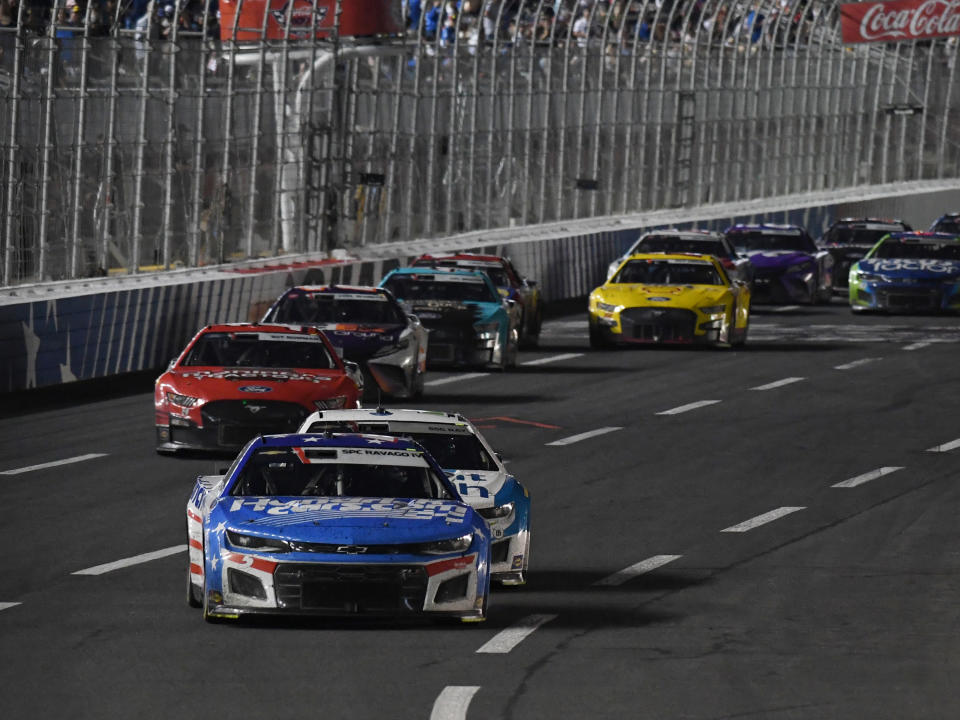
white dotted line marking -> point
(54, 463)
(867, 477)
(778, 383)
(452, 702)
(553, 359)
(644, 566)
(506, 640)
(583, 436)
(762, 519)
(455, 378)
(135, 560)
(946, 447)
(689, 407)
(856, 363)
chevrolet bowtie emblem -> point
(352, 549)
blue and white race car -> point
(335, 525)
(468, 321)
(908, 272)
(475, 469)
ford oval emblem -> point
(658, 299)
(255, 389)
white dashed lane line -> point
(867, 477)
(762, 519)
(784, 308)
(644, 566)
(506, 640)
(135, 560)
(553, 359)
(856, 363)
(778, 383)
(452, 702)
(583, 436)
(917, 346)
(8, 605)
(54, 463)
(688, 408)
(455, 378)
(946, 447)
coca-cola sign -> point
(899, 20)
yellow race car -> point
(668, 298)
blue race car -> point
(470, 324)
(335, 525)
(479, 474)
(947, 223)
(788, 266)
(908, 272)
(368, 326)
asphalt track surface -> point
(789, 549)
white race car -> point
(475, 469)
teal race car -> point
(908, 272)
(469, 322)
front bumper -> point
(781, 288)
(226, 425)
(903, 298)
(245, 584)
(658, 326)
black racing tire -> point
(206, 603)
(194, 595)
(597, 340)
(742, 340)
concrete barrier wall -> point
(62, 332)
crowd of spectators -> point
(587, 22)
(103, 15)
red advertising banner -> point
(357, 18)
(899, 20)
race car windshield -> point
(747, 241)
(430, 287)
(655, 272)
(947, 225)
(327, 308)
(929, 251)
(666, 243)
(498, 276)
(249, 350)
(852, 235)
(279, 472)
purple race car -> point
(367, 326)
(788, 266)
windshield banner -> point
(899, 20)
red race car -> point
(236, 381)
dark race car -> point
(947, 223)
(908, 272)
(235, 381)
(788, 266)
(368, 326)
(510, 283)
(849, 239)
(470, 324)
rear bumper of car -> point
(225, 429)
(246, 584)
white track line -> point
(946, 447)
(688, 408)
(582, 436)
(506, 640)
(135, 560)
(7, 605)
(452, 702)
(644, 566)
(762, 519)
(778, 383)
(917, 345)
(553, 359)
(855, 363)
(867, 477)
(785, 308)
(456, 378)
(55, 463)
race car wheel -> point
(597, 340)
(194, 594)
(742, 338)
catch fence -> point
(135, 146)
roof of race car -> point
(383, 415)
(468, 258)
(337, 289)
(921, 238)
(699, 258)
(868, 221)
(280, 328)
(444, 273)
(767, 228)
(683, 234)
(336, 440)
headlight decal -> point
(443, 547)
(184, 401)
(254, 542)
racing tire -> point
(206, 603)
(597, 340)
(742, 339)
(194, 595)
(531, 335)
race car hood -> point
(254, 383)
(350, 521)
(778, 259)
(682, 296)
(478, 488)
(914, 268)
(447, 312)
(359, 342)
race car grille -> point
(499, 550)
(351, 588)
(445, 341)
(921, 299)
(658, 324)
(239, 420)
(334, 548)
